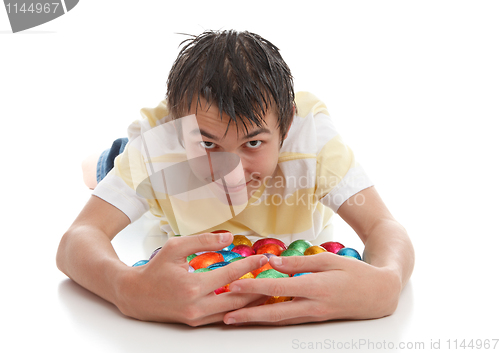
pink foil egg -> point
(243, 250)
(332, 246)
(265, 241)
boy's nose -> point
(235, 177)
(228, 166)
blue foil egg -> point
(301, 274)
(140, 263)
(349, 252)
(218, 265)
(228, 255)
(229, 247)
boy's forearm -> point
(389, 246)
(86, 256)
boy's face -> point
(257, 148)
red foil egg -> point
(265, 241)
(205, 260)
(223, 289)
(220, 231)
(332, 246)
(270, 248)
(243, 250)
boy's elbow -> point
(61, 254)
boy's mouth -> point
(231, 188)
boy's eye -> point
(207, 145)
(254, 144)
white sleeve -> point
(115, 191)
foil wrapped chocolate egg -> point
(270, 248)
(271, 273)
(236, 259)
(291, 252)
(239, 239)
(313, 250)
(277, 299)
(206, 259)
(332, 246)
(220, 231)
(203, 269)
(190, 257)
(265, 241)
(262, 269)
(228, 255)
(349, 252)
(223, 289)
(301, 274)
(243, 250)
(247, 275)
(300, 245)
(140, 263)
(229, 247)
(154, 253)
(218, 265)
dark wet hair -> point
(241, 73)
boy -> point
(230, 149)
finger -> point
(178, 248)
(230, 273)
(228, 301)
(212, 308)
(295, 311)
(312, 263)
(295, 321)
(303, 286)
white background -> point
(414, 88)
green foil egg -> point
(291, 252)
(300, 245)
(236, 259)
(203, 269)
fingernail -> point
(224, 237)
(264, 260)
(278, 261)
(235, 288)
(230, 321)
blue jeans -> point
(106, 160)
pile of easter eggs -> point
(242, 247)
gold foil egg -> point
(313, 250)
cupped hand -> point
(163, 290)
(338, 288)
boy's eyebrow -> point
(254, 133)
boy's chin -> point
(233, 197)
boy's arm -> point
(85, 252)
(162, 290)
(341, 288)
(387, 244)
